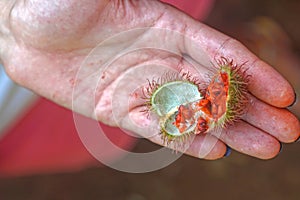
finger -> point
(203, 146)
(268, 85)
(251, 141)
(280, 123)
(265, 83)
(207, 143)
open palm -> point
(94, 57)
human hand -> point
(46, 44)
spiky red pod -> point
(184, 110)
(235, 81)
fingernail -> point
(228, 152)
(280, 147)
(295, 100)
(298, 139)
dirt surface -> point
(235, 177)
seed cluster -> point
(187, 108)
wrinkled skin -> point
(44, 42)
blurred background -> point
(270, 28)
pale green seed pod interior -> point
(173, 94)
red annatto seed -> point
(201, 126)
